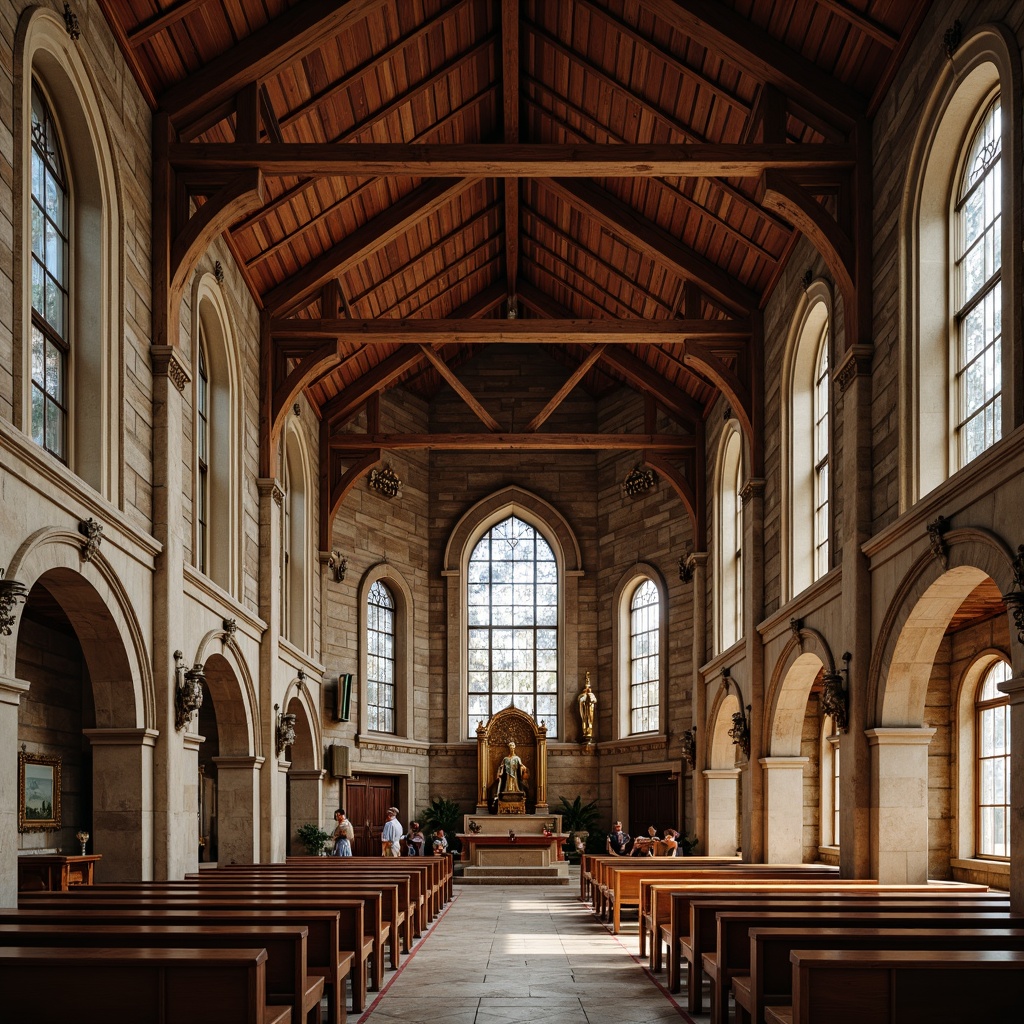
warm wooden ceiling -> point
(553, 160)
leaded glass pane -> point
(644, 642)
(380, 662)
(993, 753)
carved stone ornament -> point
(285, 732)
(686, 568)
(855, 363)
(689, 744)
(740, 731)
(188, 690)
(834, 700)
(71, 23)
(338, 565)
(11, 592)
(386, 482)
(1014, 599)
(230, 629)
(936, 529)
(638, 481)
(167, 363)
(93, 534)
(797, 628)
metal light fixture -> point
(11, 592)
(740, 731)
(188, 690)
(1014, 598)
(638, 481)
(835, 695)
(685, 568)
(338, 564)
(689, 744)
(285, 730)
(385, 481)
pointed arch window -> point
(821, 458)
(50, 341)
(644, 658)
(978, 221)
(992, 746)
(512, 604)
(380, 659)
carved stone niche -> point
(492, 745)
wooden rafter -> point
(339, 472)
(738, 393)
(639, 375)
(510, 108)
(493, 442)
(340, 409)
(481, 304)
(688, 491)
(861, 22)
(460, 389)
(564, 391)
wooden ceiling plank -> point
(155, 25)
(729, 35)
(349, 401)
(283, 40)
(460, 389)
(566, 389)
(512, 442)
(514, 332)
(861, 22)
(139, 73)
(523, 160)
(486, 300)
(373, 235)
(510, 111)
(619, 218)
(268, 117)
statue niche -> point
(511, 765)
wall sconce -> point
(285, 730)
(689, 743)
(1014, 598)
(740, 731)
(11, 592)
(835, 695)
(188, 690)
(385, 481)
(338, 564)
(638, 481)
(685, 569)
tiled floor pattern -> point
(523, 954)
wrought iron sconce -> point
(11, 592)
(385, 481)
(835, 696)
(638, 481)
(188, 690)
(285, 730)
(740, 731)
(338, 564)
(689, 743)
(685, 569)
(1014, 598)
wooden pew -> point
(903, 987)
(201, 986)
(732, 956)
(287, 983)
(351, 929)
(770, 981)
(324, 957)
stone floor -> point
(505, 955)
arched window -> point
(978, 313)
(380, 659)
(829, 783)
(730, 538)
(202, 458)
(51, 282)
(295, 544)
(644, 659)
(512, 604)
(992, 753)
(821, 450)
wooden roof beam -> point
(862, 22)
(641, 376)
(460, 389)
(619, 218)
(737, 40)
(345, 405)
(370, 237)
(480, 304)
(564, 391)
(499, 160)
(510, 107)
(463, 442)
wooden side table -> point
(55, 872)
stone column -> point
(722, 788)
(273, 785)
(122, 816)
(784, 809)
(305, 802)
(856, 811)
(753, 612)
(175, 851)
(699, 561)
(238, 809)
(1015, 689)
(899, 804)
(11, 691)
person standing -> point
(618, 841)
(343, 834)
(414, 840)
(391, 835)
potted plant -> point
(689, 844)
(578, 819)
(314, 839)
(446, 814)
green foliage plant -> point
(313, 838)
(446, 814)
(580, 817)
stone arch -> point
(238, 687)
(297, 469)
(305, 770)
(722, 778)
(789, 689)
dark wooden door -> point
(367, 798)
(653, 800)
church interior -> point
(633, 370)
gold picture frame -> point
(38, 792)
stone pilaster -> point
(174, 848)
(753, 612)
(272, 784)
(1015, 688)
(238, 809)
(722, 786)
(699, 561)
(305, 798)
(784, 809)
(11, 691)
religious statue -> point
(512, 773)
(587, 702)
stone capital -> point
(12, 690)
(856, 362)
(121, 737)
(167, 362)
(1014, 689)
(269, 487)
(899, 736)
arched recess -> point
(722, 779)
(297, 540)
(44, 50)
(789, 690)
(812, 316)
(213, 330)
(305, 773)
(986, 61)
(545, 518)
(728, 537)
(621, 634)
(404, 618)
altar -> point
(523, 849)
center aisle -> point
(521, 953)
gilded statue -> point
(587, 702)
(512, 773)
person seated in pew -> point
(617, 841)
(670, 843)
(440, 843)
(415, 840)
(643, 846)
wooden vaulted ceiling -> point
(621, 181)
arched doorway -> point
(722, 777)
(304, 797)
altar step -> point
(512, 875)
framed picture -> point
(38, 793)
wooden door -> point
(367, 798)
(653, 800)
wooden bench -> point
(351, 935)
(287, 981)
(903, 987)
(52, 985)
(770, 982)
(732, 956)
